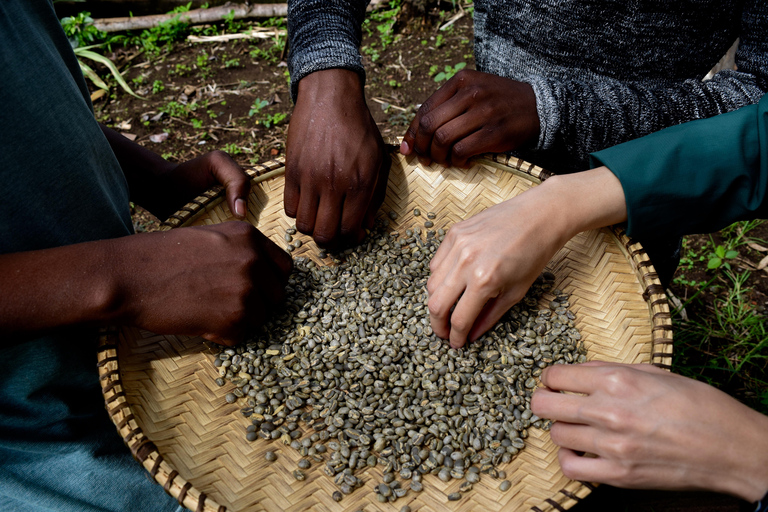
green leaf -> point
(440, 77)
(720, 251)
(731, 254)
(90, 73)
(460, 66)
(82, 52)
(714, 263)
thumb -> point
(236, 182)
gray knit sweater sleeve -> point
(581, 115)
(324, 34)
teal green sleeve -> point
(697, 177)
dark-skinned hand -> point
(214, 281)
(473, 113)
(335, 172)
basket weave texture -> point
(161, 395)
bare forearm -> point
(582, 201)
(149, 176)
(57, 287)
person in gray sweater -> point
(555, 81)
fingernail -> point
(404, 148)
(240, 208)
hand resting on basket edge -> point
(214, 281)
(473, 113)
(647, 428)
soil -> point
(207, 102)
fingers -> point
(408, 145)
(328, 220)
(236, 183)
(579, 438)
(379, 192)
(464, 314)
(282, 260)
(291, 194)
(584, 378)
(493, 310)
(585, 468)
(557, 406)
(306, 214)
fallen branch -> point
(255, 33)
(200, 16)
(193, 17)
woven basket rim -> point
(147, 453)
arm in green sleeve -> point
(696, 177)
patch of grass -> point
(157, 86)
(384, 20)
(176, 109)
(180, 69)
(232, 63)
(727, 348)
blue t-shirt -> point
(61, 184)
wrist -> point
(747, 461)
(587, 200)
(336, 84)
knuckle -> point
(614, 420)
(462, 77)
(616, 380)
(427, 123)
(460, 325)
(570, 468)
(467, 253)
(484, 277)
(442, 138)
(435, 308)
(620, 448)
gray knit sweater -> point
(604, 71)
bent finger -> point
(465, 313)
(575, 437)
(440, 303)
(557, 406)
(494, 309)
(585, 467)
(307, 211)
(236, 183)
(328, 220)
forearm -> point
(163, 187)
(578, 118)
(324, 35)
(58, 287)
(702, 175)
(579, 202)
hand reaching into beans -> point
(472, 113)
(486, 263)
(335, 172)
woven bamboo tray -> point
(161, 394)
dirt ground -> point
(234, 96)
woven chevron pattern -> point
(161, 394)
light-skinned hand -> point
(646, 428)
